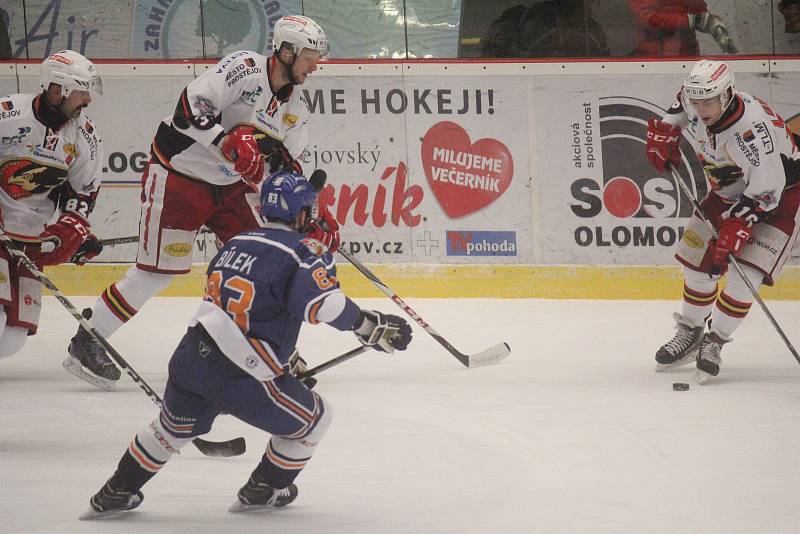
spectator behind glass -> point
(5, 43)
(790, 9)
(667, 27)
(553, 28)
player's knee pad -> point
(737, 289)
(324, 421)
(12, 338)
(303, 444)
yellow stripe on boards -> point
(456, 281)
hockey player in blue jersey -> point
(262, 286)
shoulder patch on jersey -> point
(317, 248)
(239, 70)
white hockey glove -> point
(298, 366)
(382, 332)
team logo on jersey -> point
(22, 178)
(7, 105)
(251, 362)
(250, 62)
(89, 127)
(748, 136)
(623, 201)
(465, 176)
(720, 176)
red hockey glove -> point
(663, 142)
(733, 235)
(66, 234)
(239, 147)
(325, 229)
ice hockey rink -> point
(574, 432)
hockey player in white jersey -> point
(207, 161)
(752, 163)
(50, 163)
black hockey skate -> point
(86, 354)
(109, 502)
(257, 495)
(683, 347)
(709, 358)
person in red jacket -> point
(667, 27)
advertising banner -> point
(602, 203)
(427, 170)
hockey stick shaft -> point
(492, 355)
(332, 362)
(86, 325)
(114, 241)
(732, 259)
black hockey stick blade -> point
(221, 449)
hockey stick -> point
(487, 357)
(114, 241)
(733, 261)
(234, 447)
(332, 362)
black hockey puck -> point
(680, 386)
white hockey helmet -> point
(300, 32)
(708, 79)
(72, 72)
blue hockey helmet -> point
(285, 195)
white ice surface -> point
(574, 432)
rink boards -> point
(459, 281)
(458, 179)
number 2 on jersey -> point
(239, 307)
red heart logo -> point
(465, 176)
